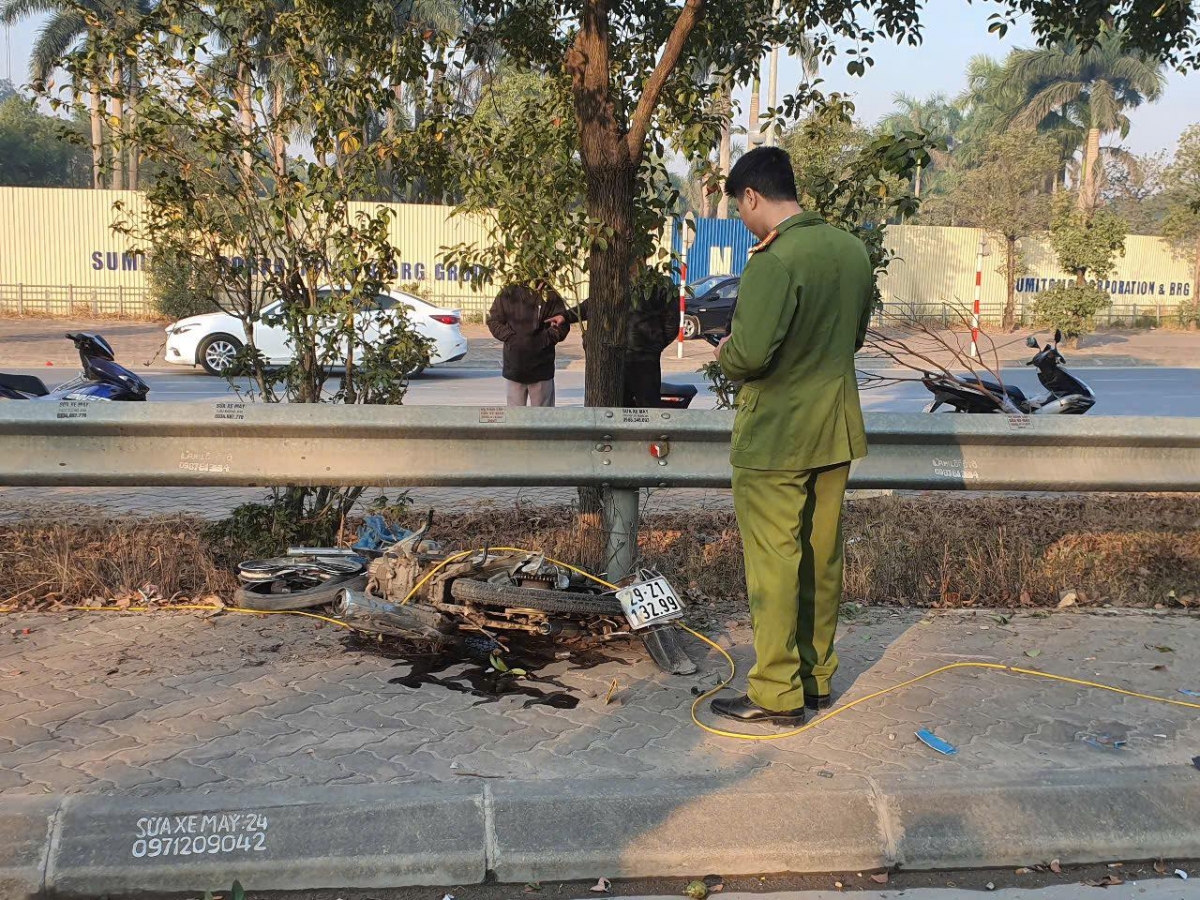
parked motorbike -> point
(676, 396)
(1065, 394)
(102, 378)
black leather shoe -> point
(817, 702)
(742, 709)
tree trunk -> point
(115, 110)
(96, 114)
(753, 124)
(245, 119)
(278, 137)
(917, 182)
(726, 148)
(1089, 182)
(1196, 272)
(132, 148)
(1010, 266)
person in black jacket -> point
(520, 319)
(652, 323)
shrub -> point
(1069, 308)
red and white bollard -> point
(975, 313)
(682, 305)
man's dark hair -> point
(767, 170)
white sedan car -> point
(212, 341)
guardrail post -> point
(20, 299)
(620, 531)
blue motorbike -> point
(103, 379)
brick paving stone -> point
(319, 714)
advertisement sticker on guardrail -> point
(492, 415)
(231, 411)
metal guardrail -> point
(230, 443)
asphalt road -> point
(1147, 391)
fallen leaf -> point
(1116, 865)
(1161, 867)
(1067, 598)
(1055, 867)
(1158, 668)
(1033, 654)
(697, 890)
(124, 602)
(880, 878)
(533, 887)
(602, 886)
(1024, 870)
(1160, 648)
(1106, 881)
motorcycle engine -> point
(392, 577)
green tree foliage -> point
(1090, 87)
(1087, 245)
(34, 151)
(936, 119)
(276, 239)
(1005, 195)
(1181, 190)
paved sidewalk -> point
(169, 713)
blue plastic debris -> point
(1188, 693)
(929, 739)
(375, 533)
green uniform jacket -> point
(802, 311)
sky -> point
(954, 32)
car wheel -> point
(217, 353)
(691, 328)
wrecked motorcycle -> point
(417, 588)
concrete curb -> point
(447, 834)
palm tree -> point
(934, 117)
(1066, 85)
(66, 30)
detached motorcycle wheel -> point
(248, 597)
(562, 602)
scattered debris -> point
(1107, 881)
(991, 885)
(1033, 654)
(448, 897)
(602, 886)
(1196, 761)
(1181, 874)
(612, 690)
(1189, 693)
(1161, 867)
(716, 883)
(1024, 870)
(1067, 598)
(1116, 865)
(533, 887)
(697, 890)
(1161, 648)
(825, 773)
(880, 878)
(1159, 668)
(1103, 741)
(931, 740)
(1055, 867)
(838, 885)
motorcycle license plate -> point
(650, 603)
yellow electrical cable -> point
(737, 735)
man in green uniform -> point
(803, 306)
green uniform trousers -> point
(791, 524)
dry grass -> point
(922, 550)
(106, 560)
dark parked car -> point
(710, 305)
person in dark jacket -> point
(519, 319)
(652, 323)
